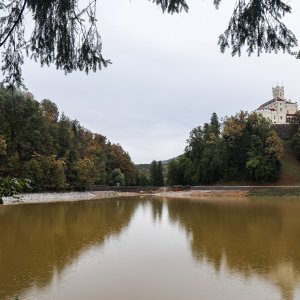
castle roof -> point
(263, 106)
(266, 103)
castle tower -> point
(278, 92)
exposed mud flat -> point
(207, 194)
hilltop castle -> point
(279, 110)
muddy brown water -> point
(140, 249)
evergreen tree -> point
(153, 172)
(179, 171)
(160, 176)
(174, 174)
(215, 125)
(156, 173)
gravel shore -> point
(59, 197)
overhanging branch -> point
(15, 24)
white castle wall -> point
(276, 111)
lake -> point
(151, 248)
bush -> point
(10, 187)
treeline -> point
(53, 151)
(156, 173)
(152, 174)
(241, 148)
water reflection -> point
(255, 239)
(251, 238)
(157, 208)
(40, 240)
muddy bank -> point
(204, 194)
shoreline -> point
(95, 195)
(205, 194)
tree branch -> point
(15, 24)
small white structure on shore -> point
(279, 110)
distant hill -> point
(143, 168)
(164, 162)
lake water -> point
(158, 249)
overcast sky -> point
(167, 77)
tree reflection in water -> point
(257, 239)
(252, 238)
(40, 240)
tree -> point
(59, 180)
(274, 146)
(254, 149)
(118, 158)
(54, 154)
(34, 171)
(117, 177)
(10, 187)
(2, 146)
(156, 173)
(215, 125)
(2, 166)
(142, 179)
(246, 149)
(49, 110)
(86, 172)
(2, 152)
(203, 150)
(296, 144)
(174, 174)
(160, 176)
(180, 171)
(153, 172)
(258, 25)
(60, 36)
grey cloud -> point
(167, 77)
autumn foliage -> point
(242, 148)
(53, 151)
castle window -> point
(280, 117)
(280, 109)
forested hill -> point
(243, 148)
(53, 151)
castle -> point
(279, 110)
